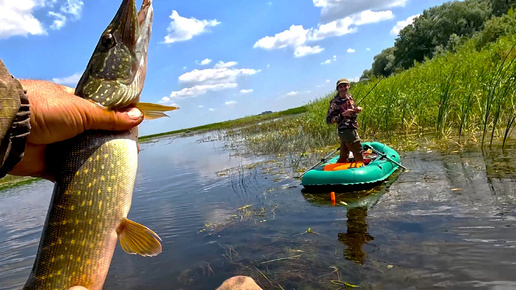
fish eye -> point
(107, 40)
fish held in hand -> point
(95, 171)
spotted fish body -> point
(88, 203)
(95, 171)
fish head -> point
(116, 71)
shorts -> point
(349, 136)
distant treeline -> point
(443, 28)
(230, 124)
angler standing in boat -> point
(344, 113)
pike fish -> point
(95, 171)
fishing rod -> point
(387, 157)
(321, 161)
(370, 91)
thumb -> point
(102, 119)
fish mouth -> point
(131, 20)
(144, 11)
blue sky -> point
(217, 60)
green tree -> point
(366, 75)
(435, 26)
(496, 27)
(500, 7)
(383, 63)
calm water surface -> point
(447, 223)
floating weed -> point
(343, 283)
(206, 269)
(229, 252)
(242, 214)
(281, 259)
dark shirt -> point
(339, 105)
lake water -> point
(449, 222)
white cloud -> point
(73, 8)
(297, 37)
(339, 9)
(306, 50)
(18, 17)
(199, 82)
(222, 64)
(402, 24)
(206, 61)
(182, 29)
(330, 60)
(215, 75)
(231, 103)
(246, 91)
(59, 21)
(350, 50)
(294, 93)
(197, 91)
(211, 109)
(68, 81)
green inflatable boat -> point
(380, 164)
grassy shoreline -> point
(10, 181)
(230, 124)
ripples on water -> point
(447, 223)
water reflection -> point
(357, 201)
(356, 235)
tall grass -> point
(459, 94)
(462, 96)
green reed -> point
(444, 106)
(461, 97)
(457, 93)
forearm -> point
(14, 121)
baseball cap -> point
(342, 81)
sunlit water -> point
(447, 223)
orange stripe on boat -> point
(342, 166)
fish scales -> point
(91, 196)
(95, 171)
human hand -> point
(348, 112)
(57, 115)
(358, 109)
(239, 282)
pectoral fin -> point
(154, 111)
(138, 239)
